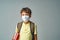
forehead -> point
(24, 12)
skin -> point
(24, 14)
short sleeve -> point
(35, 29)
(16, 30)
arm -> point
(16, 35)
(35, 36)
(35, 32)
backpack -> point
(19, 25)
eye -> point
(27, 14)
(22, 14)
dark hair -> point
(26, 9)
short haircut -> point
(26, 10)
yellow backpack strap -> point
(19, 25)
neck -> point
(26, 22)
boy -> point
(25, 31)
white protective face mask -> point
(25, 18)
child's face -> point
(25, 14)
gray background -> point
(45, 13)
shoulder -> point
(33, 23)
(19, 22)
